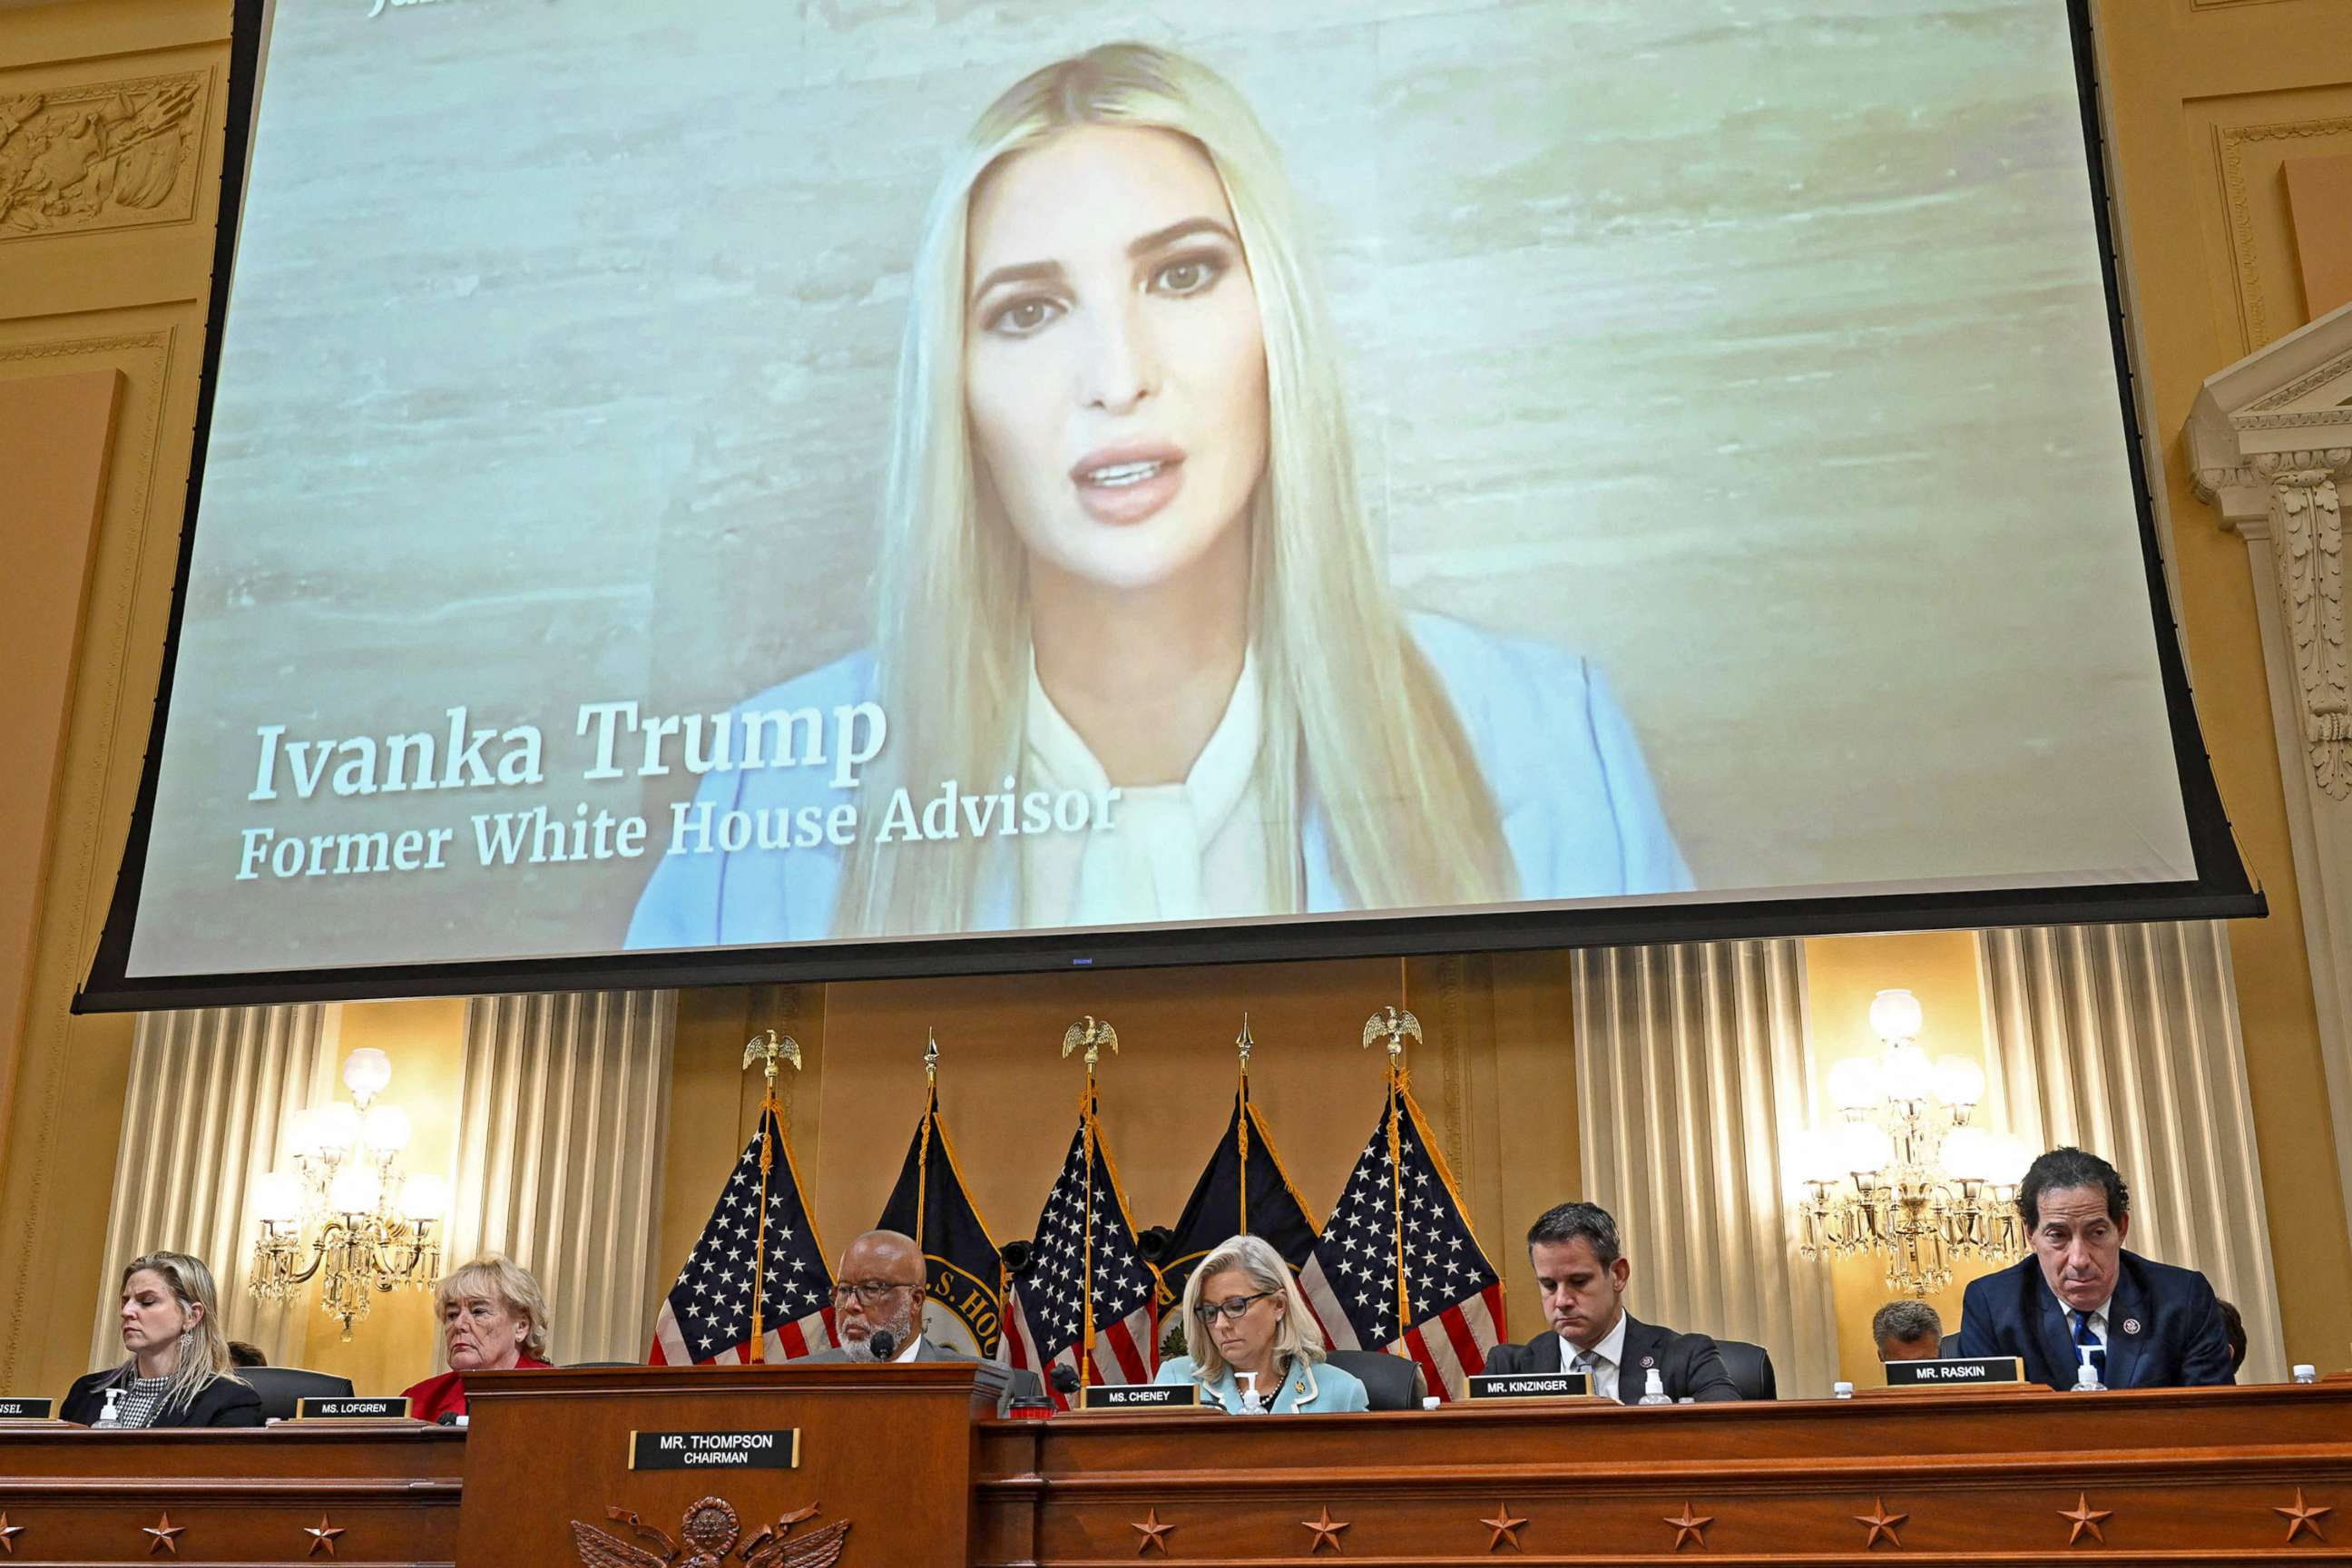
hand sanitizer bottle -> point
(2086, 1378)
(1653, 1389)
(1841, 1390)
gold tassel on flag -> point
(767, 1048)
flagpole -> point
(1393, 1025)
(1241, 1121)
(1093, 1034)
(767, 1048)
(923, 1160)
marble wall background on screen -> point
(1664, 335)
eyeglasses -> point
(1233, 1309)
(868, 1291)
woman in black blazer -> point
(178, 1372)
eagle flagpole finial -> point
(1093, 1034)
(1394, 1026)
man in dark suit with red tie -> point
(2081, 1298)
(1581, 1271)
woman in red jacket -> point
(493, 1319)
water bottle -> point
(2086, 1378)
(1653, 1389)
(1841, 1390)
(2305, 1373)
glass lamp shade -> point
(1863, 1148)
(336, 1127)
(385, 1128)
(1853, 1084)
(2009, 1159)
(1958, 1081)
(424, 1197)
(302, 1132)
(277, 1198)
(1896, 1015)
(1907, 1073)
(365, 1072)
(357, 1189)
(1817, 1156)
(1968, 1154)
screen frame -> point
(2221, 889)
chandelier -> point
(1904, 1177)
(346, 1215)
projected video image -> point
(770, 474)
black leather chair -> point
(1390, 1382)
(280, 1386)
(1751, 1369)
(1948, 1346)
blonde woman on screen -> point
(1125, 566)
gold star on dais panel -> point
(1691, 1527)
(164, 1535)
(2299, 1518)
(1326, 1531)
(1881, 1523)
(323, 1534)
(2086, 1518)
(1506, 1527)
(8, 1533)
(1154, 1532)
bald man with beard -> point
(879, 1285)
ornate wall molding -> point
(209, 1090)
(2230, 145)
(563, 1106)
(102, 155)
(1691, 1079)
(2123, 1040)
(2270, 445)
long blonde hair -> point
(1255, 1258)
(1353, 712)
(203, 1352)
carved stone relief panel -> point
(115, 154)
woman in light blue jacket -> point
(1136, 657)
(1251, 1345)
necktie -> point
(2085, 1341)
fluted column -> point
(2123, 1040)
(1691, 1079)
(208, 1091)
(563, 1104)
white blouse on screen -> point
(1186, 851)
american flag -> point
(1453, 1295)
(1048, 1317)
(707, 1316)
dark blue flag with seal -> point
(1244, 1190)
(964, 1309)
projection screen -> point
(764, 489)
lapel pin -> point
(2131, 1325)
(1649, 1360)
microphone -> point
(1064, 1380)
(882, 1344)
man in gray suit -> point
(879, 1286)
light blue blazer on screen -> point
(1309, 1390)
(1578, 811)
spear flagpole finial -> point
(1243, 1043)
(930, 1056)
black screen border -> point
(2221, 890)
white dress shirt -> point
(1602, 1358)
(913, 1345)
(1189, 851)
